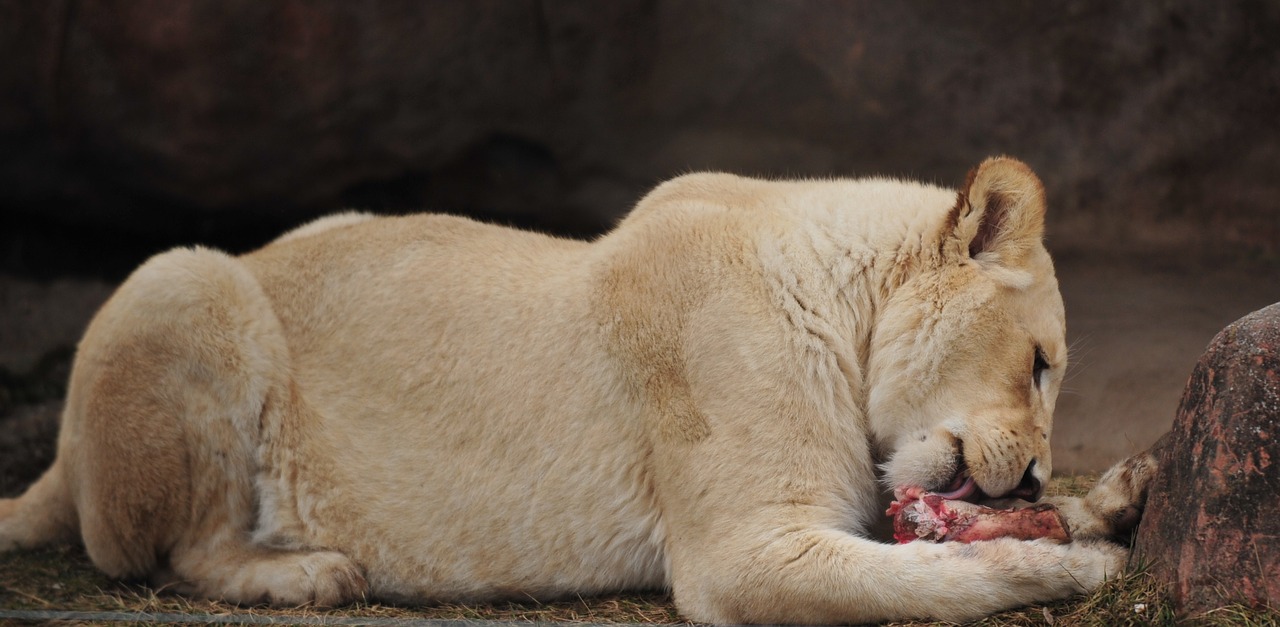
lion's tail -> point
(43, 515)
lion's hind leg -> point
(245, 573)
(163, 429)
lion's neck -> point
(833, 272)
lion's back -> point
(455, 362)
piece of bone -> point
(928, 516)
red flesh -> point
(920, 515)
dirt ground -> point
(1137, 323)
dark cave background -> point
(162, 122)
(130, 127)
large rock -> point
(1213, 512)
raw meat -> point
(920, 515)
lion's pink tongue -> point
(966, 490)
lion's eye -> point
(1038, 367)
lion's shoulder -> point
(804, 199)
(326, 223)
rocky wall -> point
(166, 121)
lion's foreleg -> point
(828, 576)
(1114, 506)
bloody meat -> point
(920, 515)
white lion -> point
(713, 398)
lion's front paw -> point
(1092, 562)
(1006, 573)
(1114, 506)
(1121, 493)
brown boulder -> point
(1212, 520)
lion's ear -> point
(999, 214)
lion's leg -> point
(781, 549)
(1114, 506)
(826, 576)
(165, 428)
(241, 572)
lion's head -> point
(968, 356)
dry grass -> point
(62, 578)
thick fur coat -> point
(714, 397)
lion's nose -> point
(1029, 488)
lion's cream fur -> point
(712, 398)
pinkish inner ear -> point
(989, 229)
(1001, 210)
